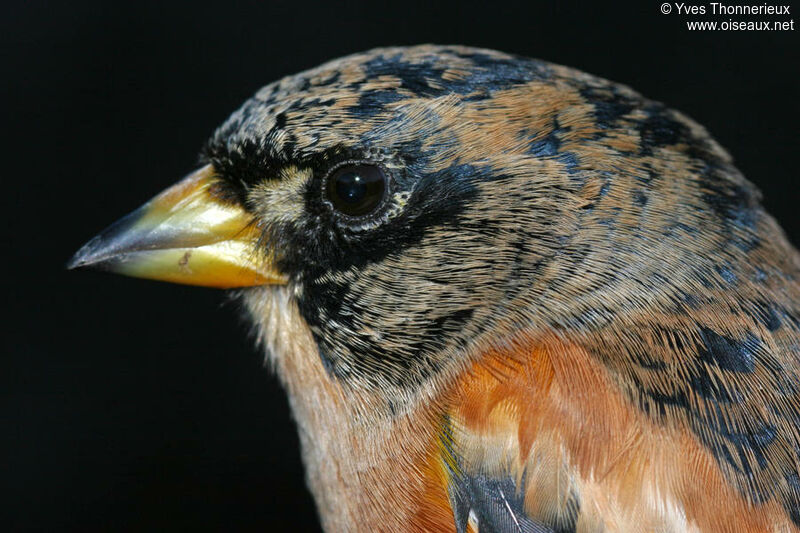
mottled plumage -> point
(569, 312)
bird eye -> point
(357, 189)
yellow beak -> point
(184, 235)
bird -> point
(501, 294)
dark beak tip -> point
(73, 263)
(88, 254)
(76, 261)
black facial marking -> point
(437, 200)
(246, 165)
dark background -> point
(129, 404)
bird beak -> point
(184, 235)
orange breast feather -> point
(548, 416)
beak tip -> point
(88, 254)
(76, 261)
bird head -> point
(418, 204)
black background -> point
(129, 404)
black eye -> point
(357, 189)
